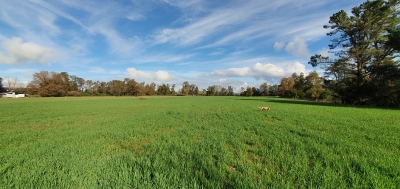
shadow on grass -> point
(290, 101)
(311, 103)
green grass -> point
(196, 142)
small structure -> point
(12, 95)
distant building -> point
(12, 95)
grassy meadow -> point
(196, 142)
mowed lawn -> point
(196, 142)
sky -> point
(236, 43)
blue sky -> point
(229, 43)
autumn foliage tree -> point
(163, 89)
(46, 84)
(264, 89)
(313, 86)
(185, 88)
(286, 87)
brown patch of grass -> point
(231, 167)
(250, 157)
(196, 139)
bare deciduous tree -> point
(13, 83)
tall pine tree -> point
(365, 47)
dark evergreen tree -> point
(1, 85)
(365, 46)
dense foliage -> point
(1, 84)
(309, 87)
(366, 44)
(46, 83)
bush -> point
(85, 94)
(73, 93)
(33, 96)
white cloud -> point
(298, 47)
(162, 58)
(325, 52)
(244, 86)
(183, 4)
(97, 70)
(239, 52)
(136, 17)
(279, 45)
(217, 52)
(17, 52)
(295, 67)
(158, 76)
(259, 71)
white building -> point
(12, 95)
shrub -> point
(73, 93)
(85, 94)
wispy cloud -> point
(118, 44)
(248, 21)
(162, 58)
(239, 52)
(183, 4)
(33, 18)
(209, 25)
(135, 16)
(97, 70)
(217, 52)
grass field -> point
(196, 142)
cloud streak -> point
(248, 21)
(211, 24)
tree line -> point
(59, 84)
(55, 84)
